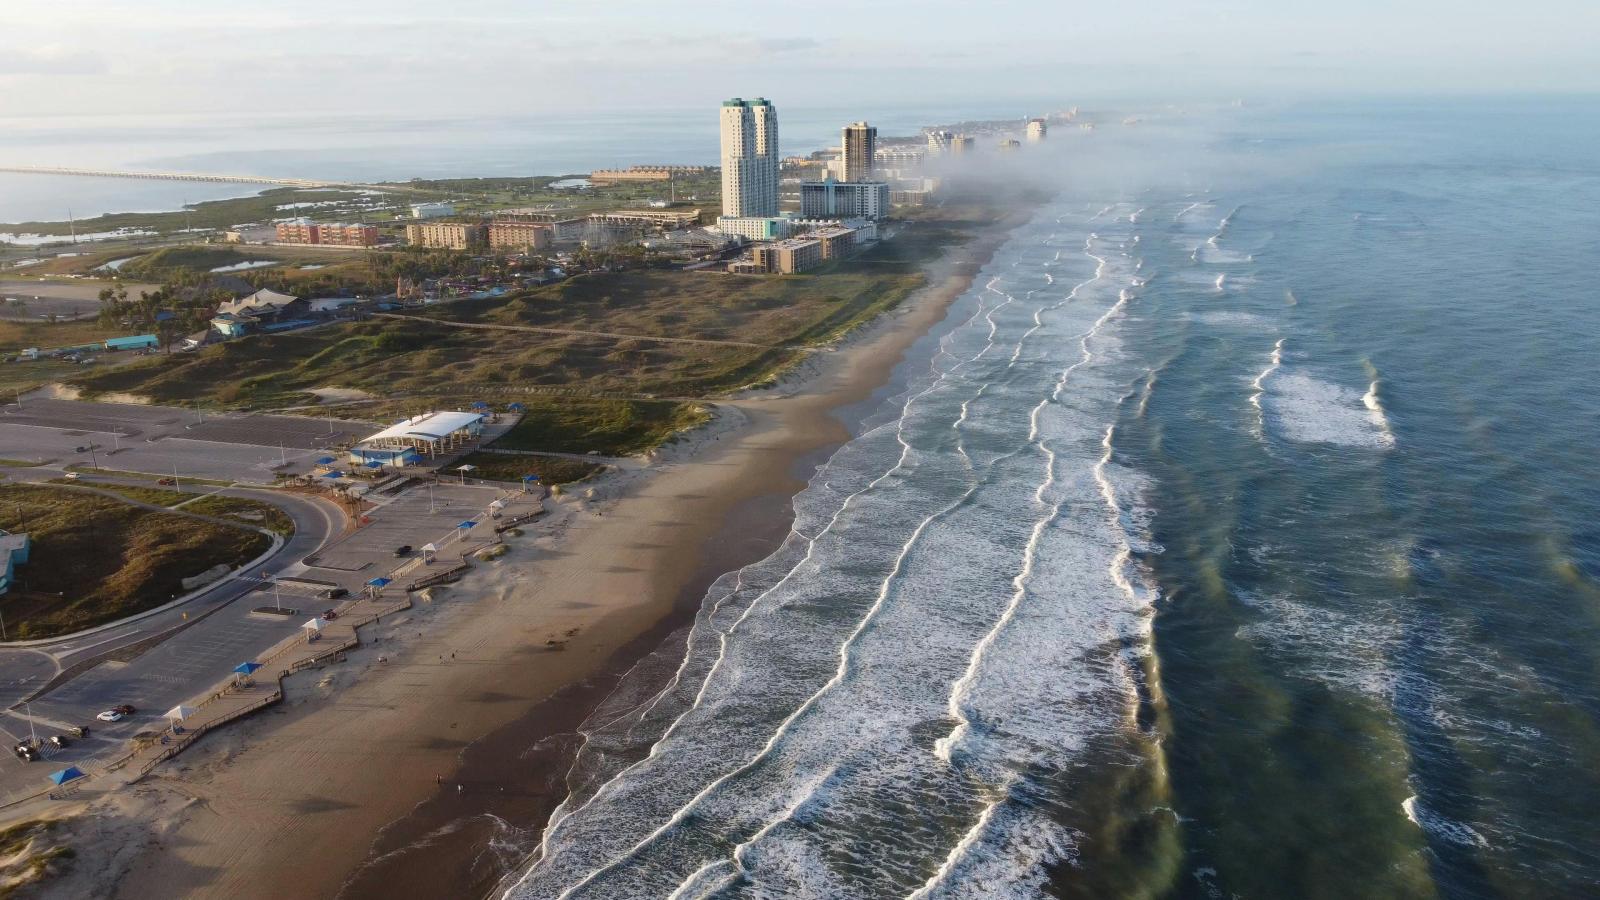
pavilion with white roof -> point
(409, 442)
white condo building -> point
(1037, 129)
(749, 158)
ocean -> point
(1237, 535)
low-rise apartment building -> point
(304, 231)
(788, 256)
(515, 235)
(644, 173)
(447, 235)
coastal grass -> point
(18, 334)
(588, 383)
(28, 857)
(257, 513)
(511, 467)
(152, 495)
(95, 559)
(610, 427)
(169, 261)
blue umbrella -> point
(326, 460)
(378, 582)
(246, 668)
(516, 407)
(479, 404)
(70, 773)
(333, 475)
(467, 524)
(530, 478)
(374, 465)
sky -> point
(148, 57)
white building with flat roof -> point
(432, 210)
(750, 159)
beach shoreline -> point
(450, 730)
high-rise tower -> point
(749, 158)
(860, 144)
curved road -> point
(221, 634)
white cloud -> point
(50, 59)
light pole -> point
(176, 484)
(277, 598)
(32, 735)
(430, 497)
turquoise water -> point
(1236, 536)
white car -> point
(110, 715)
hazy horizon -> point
(99, 57)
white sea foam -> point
(1441, 828)
(1231, 318)
(1307, 409)
(909, 535)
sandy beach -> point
(389, 777)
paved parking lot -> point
(169, 673)
(418, 516)
(294, 432)
(157, 439)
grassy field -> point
(95, 559)
(578, 385)
(249, 512)
(510, 467)
(153, 495)
(16, 334)
(609, 427)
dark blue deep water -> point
(1238, 535)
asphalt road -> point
(225, 633)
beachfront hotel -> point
(860, 148)
(750, 158)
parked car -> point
(403, 550)
(71, 476)
(167, 481)
(330, 615)
(25, 752)
(81, 448)
(58, 741)
(334, 593)
(111, 715)
(126, 709)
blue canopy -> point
(479, 404)
(332, 474)
(530, 478)
(467, 524)
(246, 668)
(70, 773)
(516, 407)
(378, 582)
(374, 465)
(326, 460)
